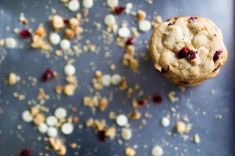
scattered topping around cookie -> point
(118, 10)
(67, 128)
(144, 25)
(196, 139)
(129, 151)
(126, 133)
(157, 151)
(48, 75)
(165, 121)
(121, 120)
(73, 5)
(10, 43)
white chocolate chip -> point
(126, 133)
(112, 3)
(87, 4)
(157, 151)
(106, 80)
(165, 122)
(60, 113)
(54, 38)
(109, 19)
(69, 70)
(42, 128)
(73, 5)
(116, 79)
(51, 121)
(129, 7)
(67, 128)
(124, 32)
(52, 132)
(196, 139)
(10, 43)
(144, 25)
(65, 44)
(26, 116)
(121, 120)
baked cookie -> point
(188, 50)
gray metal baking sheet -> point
(201, 103)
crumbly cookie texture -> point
(188, 50)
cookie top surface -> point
(188, 48)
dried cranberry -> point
(192, 19)
(192, 55)
(130, 41)
(216, 55)
(141, 103)
(101, 135)
(25, 152)
(183, 53)
(119, 9)
(25, 33)
(172, 23)
(165, 69)
(48, 75)
(66, 21)
(157, 99)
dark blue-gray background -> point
(217, 136)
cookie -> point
(188, 50)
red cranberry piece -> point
(141, 103)
(130, 41)
(216, 55)
(66, 21)
(192, 19)
(48, 75)
(192, 55)
(25, 33)
(172, 23)
(101, 135)
(157, 99)
(183, 53)
(25, 152)
(119, 9)
(165, 69)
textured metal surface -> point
(217, 136)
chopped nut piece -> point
(182, 127)
(69, 34)
(69, 89)
(141, 15)
(135, 115)
(73, 23)
(129, 151)
(110, 132)
(57, 22)
(172, 96)
(129, 59)
(103, 104)
(98, 74)
(39, 119)
(34, 110)
(40, 31)
(58, 89)
(123, 84)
